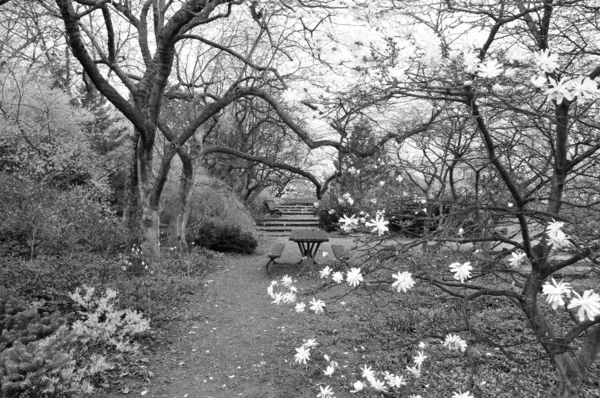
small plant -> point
(225, 238)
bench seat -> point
(340, 252)
(275, 252)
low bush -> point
(224, 238)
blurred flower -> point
(317, 305)
(414, 370)
(377, 384)
(584, 88)
(325, 272)
(471, 61)
(404, 281)
(454, 342)
(461, 271)
(379, 225)
(368, 372)
(517, 258)
(300, 307)
(419, 359)
(558, 90)
(556, 236)
(325, 392)
(338, 277)
(490, 69)
(286, 280)
(358, 386)
(555, 291)
(354, 277)
(546, 62)
(462, 395)
(538, 81)
(302, 355)
(329, 371)
(349, 222)
(589, 305)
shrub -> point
(224, 238)
(328, 220)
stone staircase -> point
(295, 215)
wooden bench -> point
(275, 252)
(340, 252)
(273, 210)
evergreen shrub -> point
(224, 238)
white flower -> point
(310, 343)
(349, 222)
(286, 280)
(404, 281)
(329, 371)
(584, 88)
(490, 69)
(461, 232)
(359, 385)
(538, 81)
(381, 183)
(454, 342)
(555, 292)
(338, 277)
(394, 380)
(300, 307)
(510, 73)
(354, 277)
(289, 298)
(589, 305)
(462, 272)
(414, 370)
(325, 272)
(517, 258)
(325, 392)
(546, 62)
(419, 359)
(559, 90)
(368, 372)
(379, 225)
(278, 298)
(462, 395)
(471, 61)
(498, 89)
(556, 236)
(325, 253)
(415, 396)
(377, 384)
(302, 355)
(422, 345)
(317, 305)
(453, 55)
(399, 178)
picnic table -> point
(308, 241)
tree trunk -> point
(131, 210)
(569, 374)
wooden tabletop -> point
(308, 235)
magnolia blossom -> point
(286, 280)
(490, 69)
(278, 298)
(420, 358)
(462, 272)
(555, 292)
(584, 88)
(538, 81)
(329, 371)
(358, 386)
(289, 298)
(517, 258)
(462, 395)
(559, 90)
(414, 370)
(338, 277)
(510, 73)
(302, 355)
(378, 225)
(325, 392)
(368, 372)
(546, 62)
(556, 236)
(454, 342)
(377, 385)
(589, 305)
(394, 380)
(349, 222)
(404, 281)
(317, 305)
(300, 307)
(471, 61)
(325, 272)
(354, 277)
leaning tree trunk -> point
(131, 211)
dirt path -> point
(230, 341)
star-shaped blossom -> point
(471, 61)
(286, 280)
(377, 385)
(538, 81)
(454, 342)
(462, 395)
(546, 62)
(358, 386)
(404, 281)
(394, 381)
(325, 392)
(490, 69)
(310, 343)
(325, 272)
(354, 277)
(278, 298)
(378, 224)
(367, 372)
(559, 90)
(589, 305)
(584, 88)
(317, 305)
(462, 272)
(289, 298)
(302, 355)
(300, 307)
(555, 292)
(338, 277)
(414, 370)
(329, 371)
(517, 258)
(349, 222)
(420, 358)
(556, 236)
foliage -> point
(39, 220)
(224, 238)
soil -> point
(230, 340)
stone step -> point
(280, 229)
(307, 224)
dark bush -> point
(328, 221)
(224, 238)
